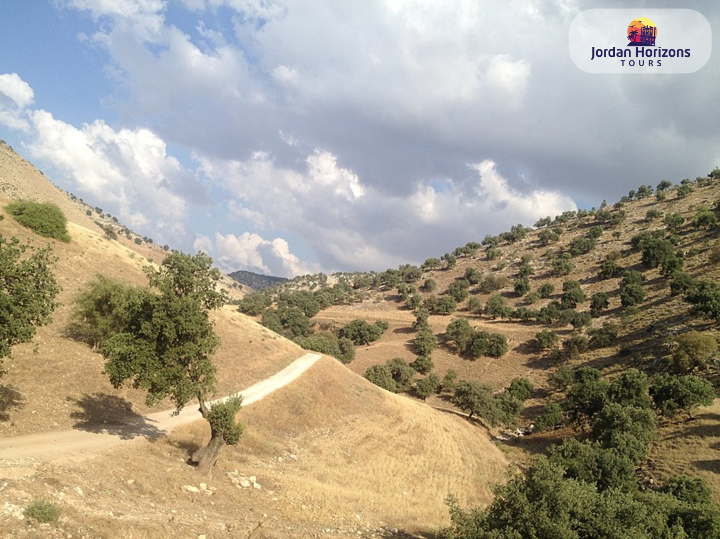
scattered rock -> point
(244, 483)
(191, 488)
(203, 486)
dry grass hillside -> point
(333, 454)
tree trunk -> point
(207, 456)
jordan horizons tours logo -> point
(659, 41)
(641, 34)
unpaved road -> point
(77, 443)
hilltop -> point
(256, 281)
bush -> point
(589, 462)
(496, 306)
(572, 295)
(655, 251)
(341, 349)
(444, 305)
(545, 290)
(704, 295)
(425, 342)
(138, 241)
(521, 286)
(605, 336)
(598, 303)
(546, 340)
(253, 304)
(704, 219)
(674, 221)
(548, 236)
(576, 345)
(381, 376)
(43, 511)
(449, 380)
(693, 349)
(493, 282)
(520, 388)
(459, 290)
(675, 394)
(461, 333)
(472, 275)
(43, 218)
(581, 245)
(401, 372)
(497, 345)
(427, 386)
(610, 269)
(423, 364)
(361, 332)
(562, 265)
(476, 399)
(429, 285)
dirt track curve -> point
(54, 445)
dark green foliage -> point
(497, 345)
(427, 386)
(27, 292)
(684, 190)
(591, 463)
(595, 232)
(165, 349)
(627, 429)
(548, 236)
(421, 319)
(103, 309)
(532, 297)
(671, 266)
(631, 291)
(549, 313)
(222, 419)
(458, 290)
(525, 270)
(545, 221)
(664, 185)
(461, 333)
(562, 378)
(587, 396)
(138, 241)
(644, 191)
(546, 340)
(693, 349)
(450, 261)
(572, 295)
(476, 399)
(290, 322)
(581, 245)
(546, 289)
(704, 295)
(576, 345)
(443, 305)
(472, 275)
(598, 303)
(520, 388)
(681, 283)
(301, 299)
(604, 336)
(430, 264)
(360, 332)
(253, 304)
(522, 286)
(674, 221)
(493, 282)
(687, 489)
(562, 265)
(610, 269)
(492, 253)
(653, 214)
(43, 218)
(381, 376)
(423, 364)
(655, 251)
(425, 342)
(449, 380)
(429, 285)
(508, 408)
(552, 416)
(675, 394)
(474, 306)
(630, 389)
(496, 306)
(491, 241)
(580, 320)
(342, 349)
(401, 373)
(704, 218)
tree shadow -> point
(708, 465)
(108, 414)
(9, 398)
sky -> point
(291, 137)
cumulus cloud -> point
(251, 252)
(129, 170)
(15, 96)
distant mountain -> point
(256, 281)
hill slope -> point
(256, 281)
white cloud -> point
(251, 252)
(15, 96)
(128, 170)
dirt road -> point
(48, 446)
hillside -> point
(256, 281)
(331, 451)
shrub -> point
(444, 305)
(655, 251)
(474, 306)
(497, 345)
(476, 399)
(493, 282)
(427, 386)
(572, 295)
(472, 275)
(330, 345)
(693, 349)
(687, 489)
(545, 290)
(704, 219)
(546, 340)
(653, 214)
(674, 221)
(429, 285)
(496, 306)
(630, 389)
(459, 290)
(361, 332)
(610, 269)
(605, 336)
(681, 283)
(675, 394)
(598, 303)
(521, 286)
(401, 372)
(449, 380)
(43, 218)
(552, 416)
(581, 245)
(43, 511)
(531, 298)
(138, 241)
(425, 342)
(561, 378)
(589, 462)
(381, 376)
(576, 345)
(548, 236)
(562, 265)
(461, 333)
(520, 388)
(423, 364)
(704, 295)
(587, 396)
(253, 304)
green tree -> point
(381, 376)
(704, 218)
(587, 396)
(43, 218)
(562, 265)
(693, 349)
(627, 429)
(166, 348)
(423, 364)
(704, 296)
(476, 399)
(572, 295)
(461, 333)
(552, 416)
(591, 463)
(610, 269)
(598, 303)
(429, 285)
(675, 394)
(459, 290)
(545, 290)
(401, 372)
(546, 340)
(27, 293)
(427, 386)
(496, 306)
(521, 286)
(361, 332)
(674, 221)
(630, 389)
(425, 342)
(604, 336)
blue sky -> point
(292, 137)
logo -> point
(642, 33)
(602, 41)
